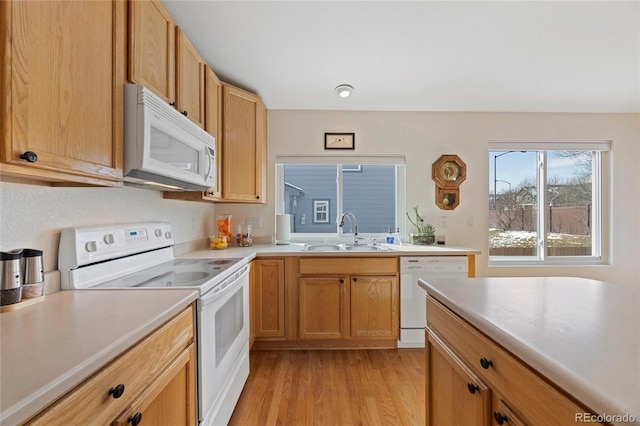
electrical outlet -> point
(443, 222)
(470, 221)
(193, 223)
(255, 222)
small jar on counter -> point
(243, 235)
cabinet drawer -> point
(91, 403)
(349, 265)
(537, 400)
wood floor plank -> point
(333, 388)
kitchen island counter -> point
(582, 335)
(49, 348)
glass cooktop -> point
(184, 272)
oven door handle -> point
(229, 284)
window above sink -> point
(317, 190)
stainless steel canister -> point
(33, 272)
(10, 277)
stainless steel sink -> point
(323, 247)
(342, 247)
(366, 247)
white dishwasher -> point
(413, 311)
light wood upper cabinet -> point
(152, 54)
(189, 80)
(244, 146)
(162, 58)
(213, 124)
(61, 100)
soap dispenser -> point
(389, 237)
(397, 237)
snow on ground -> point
(524, 239)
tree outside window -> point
(544, 204)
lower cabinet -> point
(455, 395)
(348, 298)
(153, 383)
(268, 295)
(322, 307)
(325, 302)
(350, 306)
(472, 380)
(374, 306)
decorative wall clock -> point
(448, 172)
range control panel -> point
(86, 245)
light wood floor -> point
(334, 388)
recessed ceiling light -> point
(344, 90)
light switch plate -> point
(255, 222)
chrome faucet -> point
(355, 225)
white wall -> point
(32, 216)
(423, 136)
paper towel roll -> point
(283, 228)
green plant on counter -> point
(423, 228)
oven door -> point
(223, 347)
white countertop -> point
(296, 249)
(583, 335)
(48, 348)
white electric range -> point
(139, 256)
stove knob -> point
(158, 232)
(168, 235)
(91, 246)
(109, 239)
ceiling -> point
(524, 56)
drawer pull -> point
(472, 388)
(500, 418)
(355, 279)
(135, 419)
(117, 391)
(485, 363)
(341, 280)
(29, 156)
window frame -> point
(397, 160)
(321, 203)
(600, 180)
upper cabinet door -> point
(61, 105)
(189, 79)
(213, 124)
(152, 48)
(244, 146)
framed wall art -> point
(339, 141)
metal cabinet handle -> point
(117, 391)
(29, 156)
(500, 418)
(135, 419)
(485, 363)
(472, 388)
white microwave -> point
(163, 149)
